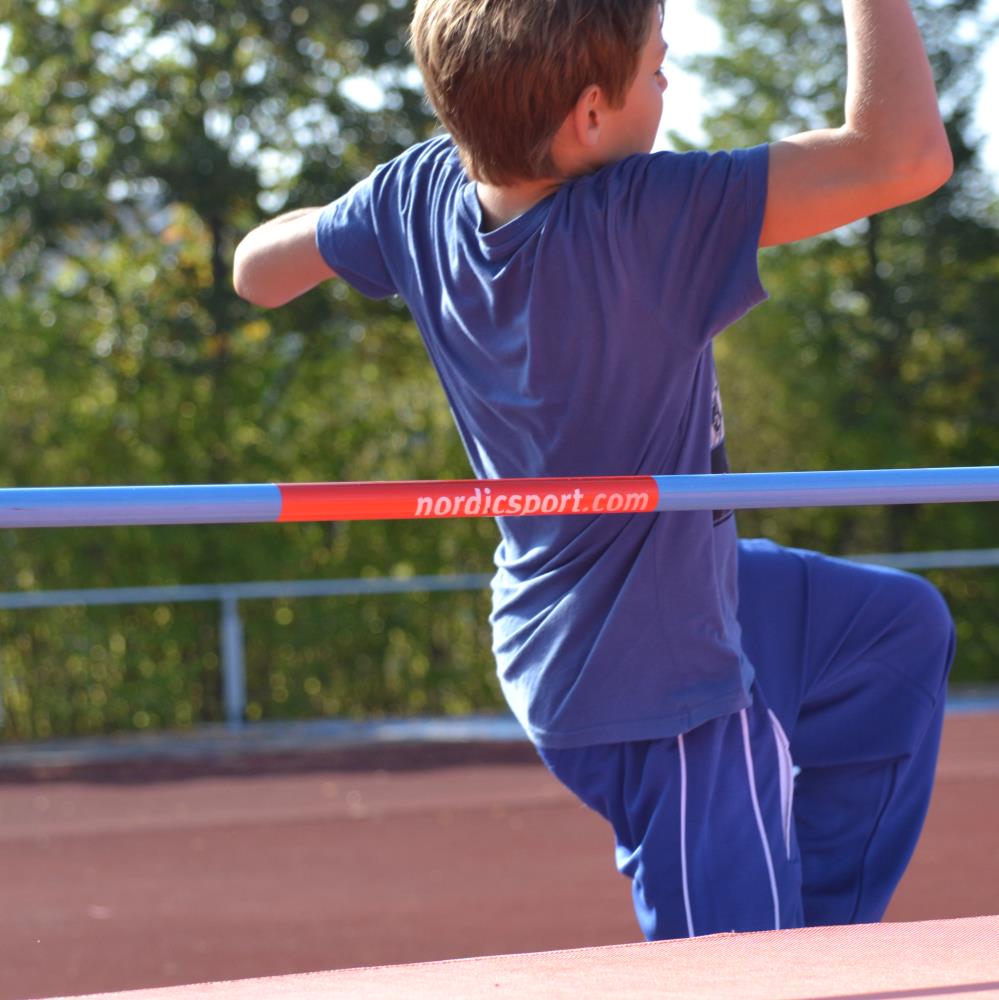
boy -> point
(568, 284)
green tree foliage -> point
(878, 346)
(138, 142)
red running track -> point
(141, 876)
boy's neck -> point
(501, 205)
(570, 156)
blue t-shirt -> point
(575, 341)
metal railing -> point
(228, 595)
(231, 634)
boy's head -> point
(503, 75)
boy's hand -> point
(892, 148)
(279, 260)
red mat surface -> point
(949, 958)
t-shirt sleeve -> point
(348, 237)
(694, 220)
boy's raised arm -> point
(892, 147)
(279, 261)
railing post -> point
(233, 661)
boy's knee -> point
(928, 622)
(929, 607)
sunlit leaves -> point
(138, 142)
(878, 346)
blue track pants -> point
(710, 826)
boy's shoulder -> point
(440, 151)
(435, 152)
(439, 156)
(647, 184)
(427, 185)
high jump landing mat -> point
(945, 958)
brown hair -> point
(503, 74)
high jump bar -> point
(105, 506)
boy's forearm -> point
(891, 148)
(279, 260)
(891, 101)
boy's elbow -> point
(242, 277)
(270, 276)
(249, 285)
(924, 169)
(254, 294)
(942, 168)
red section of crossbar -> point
(467, 498)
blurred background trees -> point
(878, 346)
(140, 140)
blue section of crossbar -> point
(828, 489)
(256, 503)
(74, 506)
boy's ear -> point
(587, 116)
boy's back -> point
(573, 341)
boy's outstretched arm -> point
(278, 261)
(892, 147)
